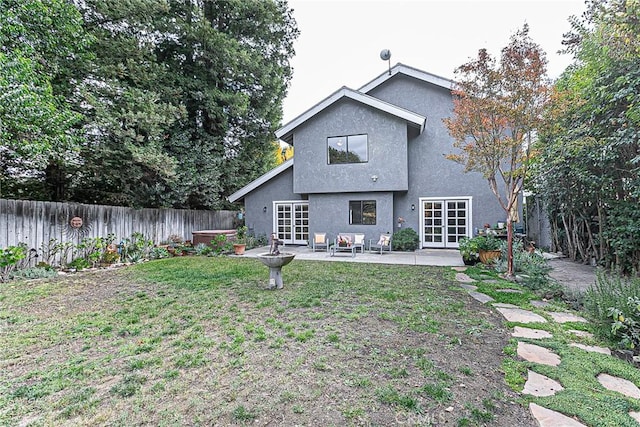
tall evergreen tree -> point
(183, 99)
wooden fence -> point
(35, 223)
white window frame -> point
(274, 221)
(445, 199)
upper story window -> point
(348, 149)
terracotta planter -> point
(238, 248)
(487, 257)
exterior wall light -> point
(413, 207)
(264, 209)
(374, 178)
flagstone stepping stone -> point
(620, 385)
(505, 305)
(468, 287)
(520, 315)
(548, 418)
(535, 353)
(459, 268)
(562, 317)
(520, 332)
(582, 334)
(539, 385)
(483, 298)
(539, 304)
(635, 416)
(462, 277)
(592, 348)
(492, 281)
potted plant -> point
(488, 249)
(469, 250)
(240, 243)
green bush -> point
(626, 325)
(135, 248)
(158, 253)
(79, 264)
(487, 243)
(405, 240)
(34, 273)
(202, 249)
(611, 292)
(533, 268)
(9, 259)
(469, 250)
(221, 245)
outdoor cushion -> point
(384, 240)
(320, 237)
(343, 239)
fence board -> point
(35, 223)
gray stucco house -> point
(364, 158)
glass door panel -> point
(445, 222)
(292, 222)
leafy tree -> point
(282, 154)
(41, 43)
(497, 108)
(592, 138)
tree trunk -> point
(510, 273)
(570, 247)
(601, 238)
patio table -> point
(335, 248)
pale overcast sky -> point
(340, 40)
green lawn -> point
(199, 341)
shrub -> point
(34, 273)
(469, 250)
(611, 291)
(487, 243)
(406, 240)
(626, 324)
(9, 259)
(202, 249)
(110, 257)
(158, 253)
(79, 264)
(533, 267)
(135, 248)
(221, 245)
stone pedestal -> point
(275, 264)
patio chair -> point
(383, 244)
(320, 242)
(358, 241)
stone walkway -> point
(537, 384)
(572, 275)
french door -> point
(445, 221)
(291, 222)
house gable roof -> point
(260, 180)
(407, 71)
(285, 133)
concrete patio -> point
(437, 257)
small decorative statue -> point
(275, 242)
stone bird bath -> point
(275, 260)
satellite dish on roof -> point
(385, 55)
